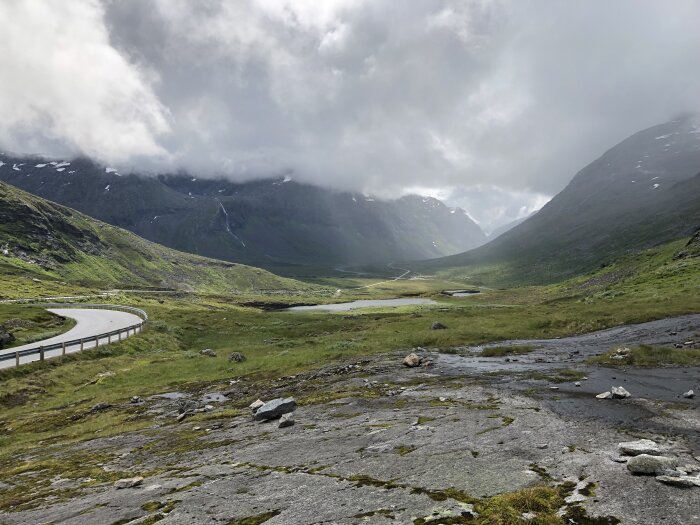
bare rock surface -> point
(379, 443)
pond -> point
(461, 293)
(366, 303)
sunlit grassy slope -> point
(49, 249)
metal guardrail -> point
(41, 350)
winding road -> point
(90, 322)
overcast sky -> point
(492, 104)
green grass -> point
(650, 356)
(48, 402)
(500, 351)
(30, 324)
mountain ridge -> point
(640, 193)
(264, 222)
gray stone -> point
(127, 483)
(237, 357)
(642, 446)
(208, 352)
(255, 405)
(650, 465)
(690, 394)
(287, 420)
(680, 481)
(605, 395)
(619, 392)
(437, 326)
(275, 408)
(412, 360)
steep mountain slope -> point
(506, 227)
(643, 192)
(264, 222)
(42, 240)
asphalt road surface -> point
(89, 323)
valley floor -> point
(377, 442)
(506, 433)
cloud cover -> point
(369, 95)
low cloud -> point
(507, 97)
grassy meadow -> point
(47, 402)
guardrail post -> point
(16, 358)
(82, 343)
(120, 336)
(63, 348)
(97, 342)
(41, 353)
(109, 339)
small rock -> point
(646, 464)
(412, 360)
(255, 405)
(442, 399)
(275, 408)
(642, 446)
(208, 352)
(287, 420)
(196, 428)
(127, 483)
(237, 357)
(554, 388)
(605, 395)
(690, 394)
(619, 392)
(437, 326)
(186, 406)
(680, 481)
(543, 446)
(577, 383)
(135, 400)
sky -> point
(492, 105)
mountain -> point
(497, 232)
(266, 223)
(643, 192)
(41, 240)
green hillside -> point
(45, 247)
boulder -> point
(287, 420)
(650, 465)
(690, 394)
(255, 405)
(412, 360)
(437, 326)
(236, 357)
(680, 481)
(127, 483)
(619, 392)
(275, 408)
(605, 395)
(208, 352)
(6, 338)
(643, 446)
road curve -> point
(89, 323)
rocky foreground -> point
(369, 441)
